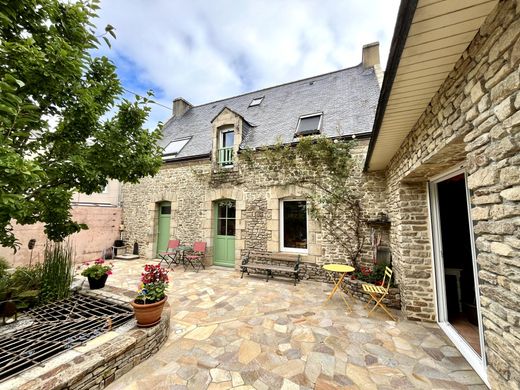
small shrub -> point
(5, 288)
(4, 265)
(57, 272)
(23, 286)
(27, 278)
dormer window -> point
(174, 148)
(308, 125)
(256, 101)
(225, 150)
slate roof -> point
(347, 98)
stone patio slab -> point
(232, 333)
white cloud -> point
(208, 50)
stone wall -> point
(474, 120)
(101, 360)
(192, 187)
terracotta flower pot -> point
(97, 283)
(148, 314)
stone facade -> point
(474, 121)
(193, 187)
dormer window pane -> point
(309, 125)
(225, 151)
(256, 101)
(228, 139)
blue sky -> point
(209, 50)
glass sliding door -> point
(456, 270)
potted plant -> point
(149, 302)
(97, 273)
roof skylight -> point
(256, 101)
(309, 124)
(174, 147)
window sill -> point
(294, 251)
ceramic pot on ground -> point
(148, 314)
(97, 283)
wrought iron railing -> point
(225, 156)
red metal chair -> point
(196, 257)
(171, 255)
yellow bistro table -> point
(341, 269)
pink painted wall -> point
(103, 223)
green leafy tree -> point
(54, 98)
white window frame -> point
(308, 116)
(478, 363)
(282, 247)
(221, 136)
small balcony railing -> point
(225, 156)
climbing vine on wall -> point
(324, 167)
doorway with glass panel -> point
(224, 248)
(163, 226)
(456, 280)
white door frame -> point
(477, 362)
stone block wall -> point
(473, 120)
(176, 183)
(102, 360)
(192, 187)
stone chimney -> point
(370, 55)
(180, 106)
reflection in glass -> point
(231, 211)
(221, 227)
(295, 224)
(226, 218)
(230, 227)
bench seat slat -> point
(269, 267)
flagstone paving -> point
(228, 332)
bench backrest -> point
(272, 256)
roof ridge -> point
(279, 85)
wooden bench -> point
(249, 263)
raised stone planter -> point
(100, 361)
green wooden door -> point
(224, 233)
(163, 231)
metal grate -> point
(57, 327)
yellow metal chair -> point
(377, 293)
